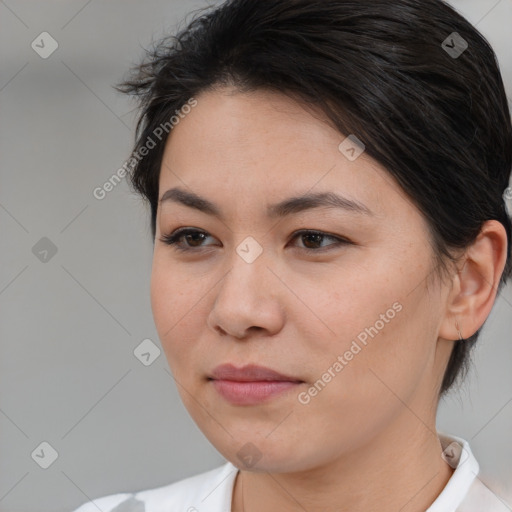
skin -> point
(296, 310)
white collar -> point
(457, 453)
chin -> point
(259, 454)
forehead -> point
(264, 146)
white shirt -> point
(212, 490)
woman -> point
(326, 185)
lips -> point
(249, 373)
(251, 384)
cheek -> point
(163, 294)
(175, 307)
(375, 386)
(174, 291)
(392, 362)
(346, 304)
(181, 300)
(384, 327)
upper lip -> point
(248, 373)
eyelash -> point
(172, 239)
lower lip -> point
(250, 393)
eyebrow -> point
(286, 207)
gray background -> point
(69, 325)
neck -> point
(401, 469)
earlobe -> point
(476, 283)
(461, 338)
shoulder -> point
(212, 489)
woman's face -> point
(344, 313)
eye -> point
(316, 237)
(194, 237)
(188, 239)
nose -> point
(248, 300)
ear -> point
(475, 285)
